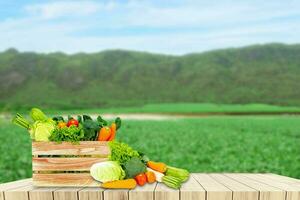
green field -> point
(212, 144)
(192, 108)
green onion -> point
(21, 121)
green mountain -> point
(254, 74)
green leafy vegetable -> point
(133, 167)
(90, 129)
(70, 134)
(121, 152)
(79, 119)
(118, 122)
(86, 117)
(101, 121)
(58, 119)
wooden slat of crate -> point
(266, 192)
(91, 193)
(64, 164)
(192, 190)
(67, 148)
(239, 190)
(214, 189)
(292, 191)
(65, 179)
(162, 192)
(145, 192)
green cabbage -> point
(42, 130)
(107, 171)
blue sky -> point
(170, 27)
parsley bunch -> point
(69, 134)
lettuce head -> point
(107, 171)
(42, 130)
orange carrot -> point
(104, 133)
(120, 184)
(157, 166)
(113, 130)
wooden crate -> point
(66, 164)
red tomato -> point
(72, 122)
(141, 179)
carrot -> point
(120, 184)
(113, 130)
(104, 134)
(157, 166)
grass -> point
(191, 108)
(213, 144)
(15, 148)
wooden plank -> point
(29, 192)
(146, 192)
(94, 193)
(284, 179)
(162, 192)
(66, 193)
(67, 148)
(20, 193)
(12, 185)
(239, 190)
(192, 190)
(45, 193)
(64, 164)
(65, 179)
(15, 184)
(115, 194)
(214, 189)
(266, 192)
(292, 191)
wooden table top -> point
(200, 186)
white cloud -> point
(73, 26)
(63, 9)
(210, 13)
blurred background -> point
(221, 77)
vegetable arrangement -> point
(41, 127)
(138, 170)
(126, 167)
(57, 129)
